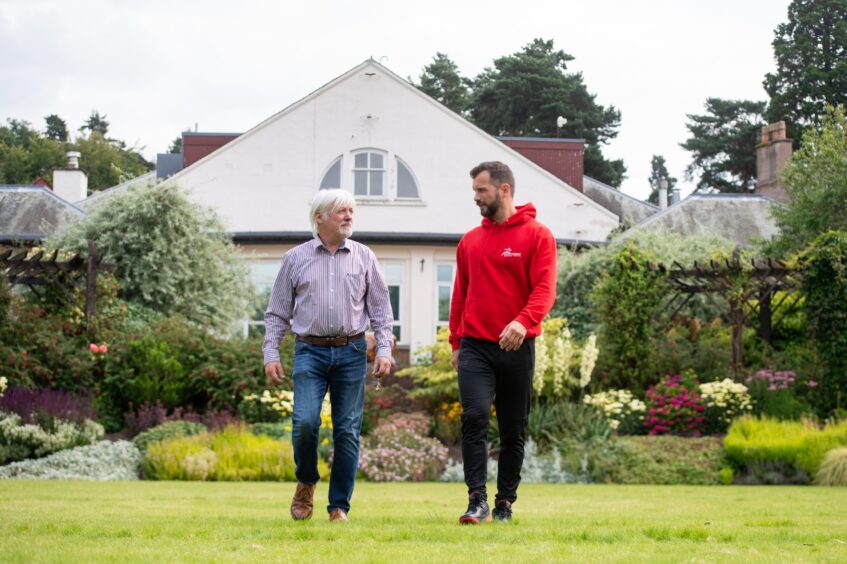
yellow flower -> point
(325, 441)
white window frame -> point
(441, 284)
(403, 285)
(369, 170)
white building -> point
(406, 158)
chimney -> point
(675, 196)
(71, 183)
(772, 153)
(663, 193)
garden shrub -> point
(690, 344)
(536, 469)
(432, 371)
(801, 445)
(149, 416)
(269, 407)
(626, 301)
(166, 431)
(231, 454)
(104, 460)
(579, 272)
(390, 398)
(665, 460)
(447, 425)
(674, 407)
(45, 405)
(723, 401)
(20, 440)
(280, 431)
(398, 450)
(824, 266)
(833, 469)
(775, 394)
(622, 410)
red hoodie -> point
(504, 272)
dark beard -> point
(490, 210)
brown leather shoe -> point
(337, 515)
(301, 505)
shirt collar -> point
(318, 244)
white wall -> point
(264, 180)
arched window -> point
(332, 176)
(372, 177)
(407, 187)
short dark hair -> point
(500, 173)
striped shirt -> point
(322, 294)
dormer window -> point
(375, 175)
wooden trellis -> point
(748, 290)
(40, 269)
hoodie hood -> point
(523, 214)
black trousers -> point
(486, 374)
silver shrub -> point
(105, 460)
(536, 469)
(40, 441)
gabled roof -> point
(742, 218)
(630, 210)
(494, 141)
(29, 213)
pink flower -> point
(94, 348)
(103, 349)
(812, 384)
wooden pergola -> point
(749, 291)
(38, 270)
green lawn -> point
(224, 522)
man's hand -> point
(456, 359)
(511, 338)
(275, 374)
(383, 366)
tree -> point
(176, 145)
(25, 154)
(56, 129)
(658, 170)
(170, 254)
(723, 143)
(524, 94)
(96, 124)
(811, 63)
(441, 80)
(109, 162)
(816, 181)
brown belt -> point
(329, 341)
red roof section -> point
(561, 157)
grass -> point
(234, 522)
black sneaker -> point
(502, 511)
(477, 510)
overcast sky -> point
(158, 67)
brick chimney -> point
(71, 183)
(772, 154)
(561, 157)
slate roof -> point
(742, 218)
(630, 210)
(29, 213)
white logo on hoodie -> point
(507, 252)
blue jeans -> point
(342, 370)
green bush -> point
(231, 454)
(19, 440)
(665, 460)
(690, 344)
(280, 431)
(833, 470)
(579, 273)
(167, 431)
(825, 290)
(788, 444)
(626, 301)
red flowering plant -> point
(674, 407)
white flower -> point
(589, 358)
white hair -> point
(329, 201)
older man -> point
(326, 292)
